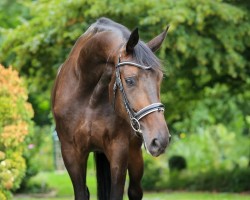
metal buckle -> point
(135, 124)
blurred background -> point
(206, 92)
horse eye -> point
(130, 81)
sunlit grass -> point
(164, 196)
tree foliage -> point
(206, 53)
(15, 129)
(12, 13)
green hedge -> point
(217, 159)
(157, 177)
(214, 180)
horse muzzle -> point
(158, 144)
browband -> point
(120, 64)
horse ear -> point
(132, 41)
(155, 43)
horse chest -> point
(98, 131)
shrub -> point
(217, 160)
(15, 130)
(154, 173)
(38, 158)
(236, 180)
(177, 163)
(214, 147)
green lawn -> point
(61, 184)
(165, 196)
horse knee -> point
(135, 193)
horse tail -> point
(103, 176)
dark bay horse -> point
(106, 100)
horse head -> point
(135, 91)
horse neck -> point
(96, 57)
(80, 75)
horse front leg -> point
(135, 170)
(118, 168)
(76, 163)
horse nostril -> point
(156, 143)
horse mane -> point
(142, 53)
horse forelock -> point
(144, 56)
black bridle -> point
(134, 116)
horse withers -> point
(106, 100)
